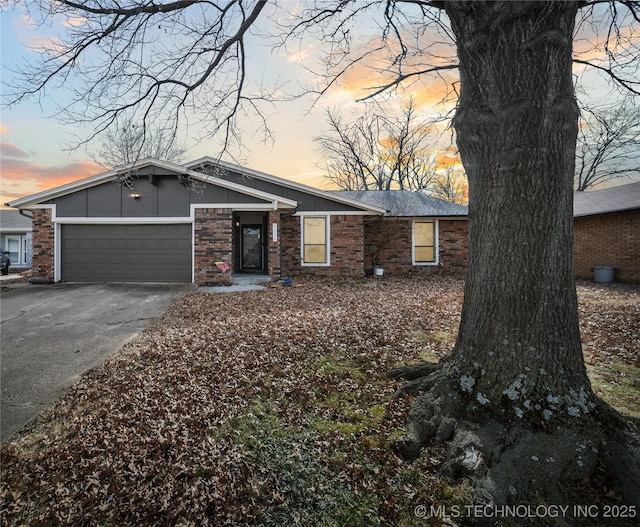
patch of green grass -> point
(618, 383)
(347, 416)
(428, 340)
(329, 470)
(297, 480)
(439, 336)
(335, 363)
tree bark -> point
(517, 127)
(514, 395)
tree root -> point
(514, 461)
(412, 372)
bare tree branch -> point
(127, 72)
(629, 85)
(608, 144)
(380, 152)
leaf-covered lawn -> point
(266, 408)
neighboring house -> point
(203, 221)
(607, 232)
(15, 237)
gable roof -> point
(407, 203)
(613, 199)
(203, 162)
(111, 175)
(13, 221)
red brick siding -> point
(290, 231)
(390, 240)
(454, 245)
(43, 245)
(213, 242)
(608, 240)
(346, 247)
(273, 249)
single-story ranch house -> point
(207, 220)
(607, 232)
(201, 222)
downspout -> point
(23, 213)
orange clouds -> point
(448, 158)
(374, 67)
(21, 176)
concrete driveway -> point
(52, 334)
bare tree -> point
(379, 152)
(450, 186)
(148, 62)
(608, 144)
(513, 398)
(129, 143)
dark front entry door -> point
(252, 248)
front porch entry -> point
(250, 242)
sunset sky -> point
(33, 143)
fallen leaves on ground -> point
(260, 408)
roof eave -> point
(601, 212)
(34, 200)
(374, 210)
(88, 182)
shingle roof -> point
(614, 199)
(13, 220)
(406, 202)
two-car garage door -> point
(126, 253)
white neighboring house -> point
(15, 237)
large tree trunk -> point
(514, 393)
(517, 127)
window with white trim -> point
(315, 240)
(17, 247)
(425, 234)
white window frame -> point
(327, 257)
(436, 244)
(22, 248)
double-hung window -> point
(424, 242)
(315, 240)
(17, 247)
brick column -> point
(213, 242)
(274, 263)
(42, 262)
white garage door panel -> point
(126, 253)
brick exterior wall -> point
(454, 245)
(290, 231)
(42, 262)
(389, 241)
(605, 240)
(608, 240)
(213, 242)
(273, 248)
(346, 248)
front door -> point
(251, 248)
